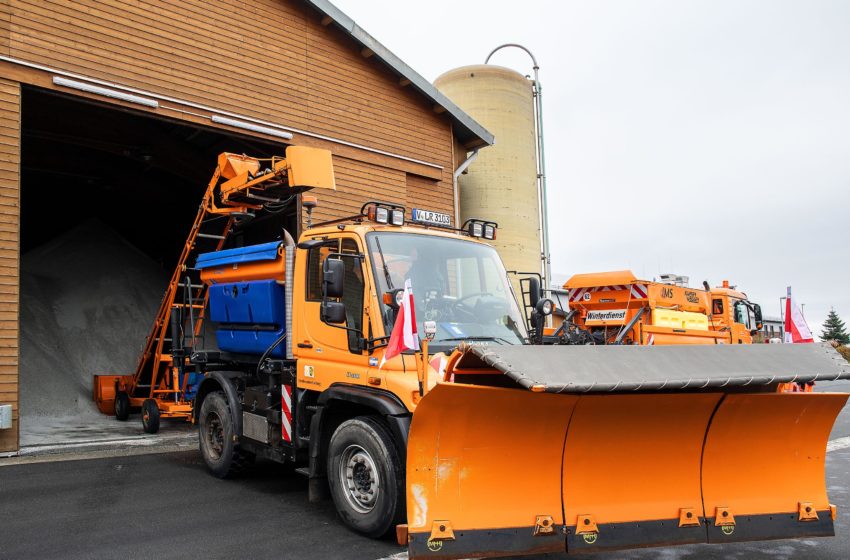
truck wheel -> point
(215, 434)
(122, 406)
(366, 476)
(150, 416)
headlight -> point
(398, 217)
(382, 215)
(545, 306)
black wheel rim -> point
(214, 434)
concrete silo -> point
(501, 184)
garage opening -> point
(108, 196)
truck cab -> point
(734, 314)
(458, 283)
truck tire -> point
(150, 416)
(366, 476)
(215, 437)
(122, 406)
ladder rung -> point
(193, 306)
(211, 236)
(183, 285)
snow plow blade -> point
(508, 460)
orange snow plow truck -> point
(492, 446)
(618, 308)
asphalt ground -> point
(167, 506)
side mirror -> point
(757, 313)
(333, 272)
(534, 290)
(332, 312)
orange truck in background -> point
(618, 308)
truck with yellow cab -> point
(492, 445)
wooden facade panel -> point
(127, 70)
(158, 45)
(356, 183)
(427, 194)
(9, 438)
(5, 18)
(359, 75)
(10, 141)
(269, 59)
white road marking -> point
(836, 444)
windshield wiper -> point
(474, 338)
(384, 262)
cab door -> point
(326, 353)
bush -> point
(845, 351)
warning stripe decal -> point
(638, 291)
(286, 407)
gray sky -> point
(704, 138)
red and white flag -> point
(404, 335)
(796, 329)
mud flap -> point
(484, 472)
(632, 470)
(763, 468)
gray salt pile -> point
(88, 299)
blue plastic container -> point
(251, 316)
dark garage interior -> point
(108, 198)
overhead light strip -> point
(106, 92)
(211, 110)
(252, 127)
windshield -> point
(460, 285)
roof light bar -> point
(480, 228)
(383, 212)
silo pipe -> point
(541, 160)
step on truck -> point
(492, 446)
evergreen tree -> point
(833, 329)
